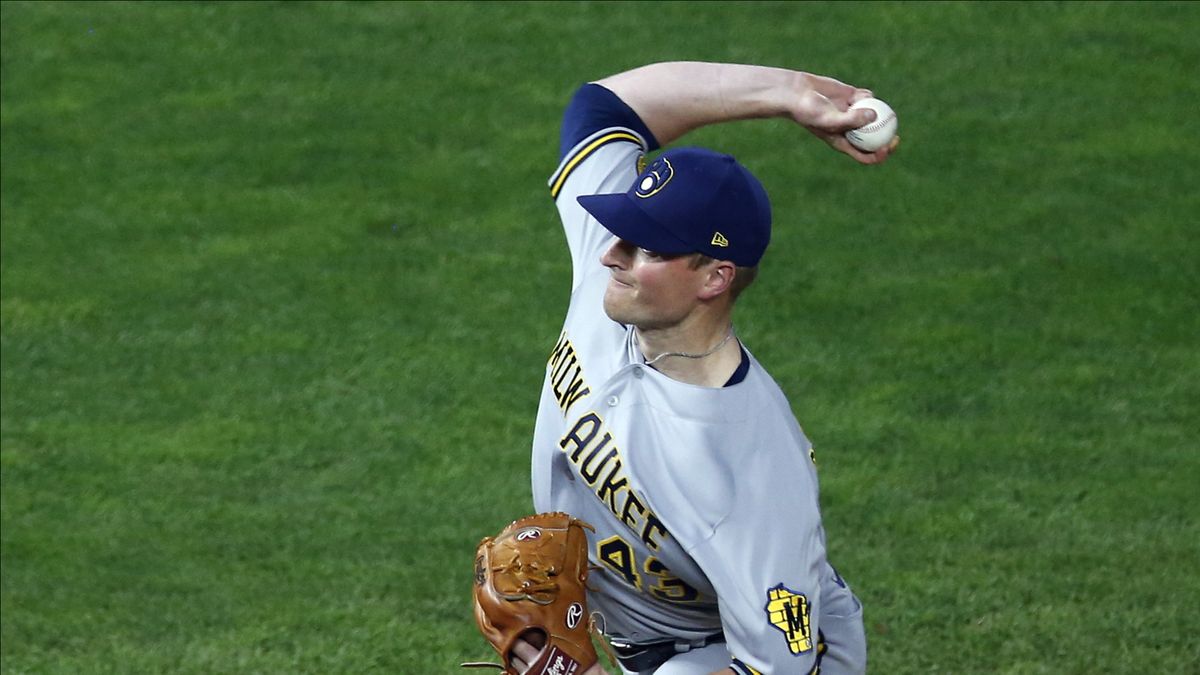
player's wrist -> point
(794, 96)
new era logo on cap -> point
(691, 200)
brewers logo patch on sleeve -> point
(788, 612)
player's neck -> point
(702, 355)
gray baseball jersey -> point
(704, 499)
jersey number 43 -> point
(619, 556)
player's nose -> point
(617, 255)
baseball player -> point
(656, 424)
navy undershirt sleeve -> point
(594, 108)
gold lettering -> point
(592, 422)
(612, 485)
(574, 391)
(628, 518)
(591, 452)
(591, 475)
(563, 363)
(652, 524)
(560, 348)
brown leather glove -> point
(529, 579)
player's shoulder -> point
(774, 441)
(763, 386)
(598, 127)
(593, 109)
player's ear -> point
(718, 279)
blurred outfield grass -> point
(279, 279)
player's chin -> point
(613, 311)
(616, 307)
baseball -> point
(877, 134)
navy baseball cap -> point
(690, 200)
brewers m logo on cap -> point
(654, 178)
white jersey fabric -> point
(704, 499)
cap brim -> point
(620, 215)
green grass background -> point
(279, 281)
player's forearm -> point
(676, 97)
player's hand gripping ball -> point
(529, 581)
(877, 134)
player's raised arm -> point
(676, 97)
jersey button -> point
(639, 373)
(613, 401)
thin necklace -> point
(728, 337)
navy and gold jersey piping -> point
(741, 668)
(594, 107)
(594, 118)
(586, 148)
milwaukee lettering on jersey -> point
(566, 374)
(590, 448)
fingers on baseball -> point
(841, 121)
(842, 145)
(858, 95)
(863, 117)
(880, 155)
